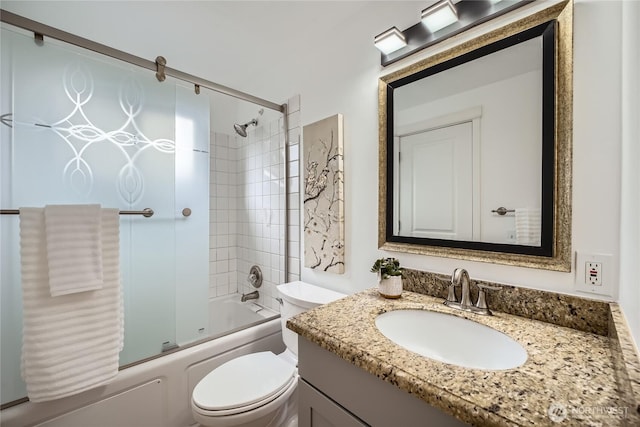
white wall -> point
(327, 56)
(630, 209)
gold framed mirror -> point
(453, 205)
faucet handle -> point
(451, 297)
(482, 301)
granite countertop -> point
(568, 368)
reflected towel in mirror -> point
(528, 226)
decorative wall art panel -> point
(323, 195)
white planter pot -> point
(390, 287)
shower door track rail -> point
(41, 30)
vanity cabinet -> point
(333, 392)
(317, 410)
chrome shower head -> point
(242, 129)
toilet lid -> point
(243, 381)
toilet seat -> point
(243, 384)
(243, 409)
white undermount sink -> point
(451, 339)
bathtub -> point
(228, 314)
(157, 393)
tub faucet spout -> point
(251, 295)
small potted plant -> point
(389, 277)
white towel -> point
(74, 249)
(528, 226)
(71, 343)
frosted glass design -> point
(89, 129)
(102, 116)
(79, 132)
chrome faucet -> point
(460, 277)
(251, 295)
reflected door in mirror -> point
(502, 93)
(443, 156)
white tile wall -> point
(223, 195)
(247, 208)
(260, 214)
(294, 189)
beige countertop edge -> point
(433, 395)
(628, 371)
(466, 410)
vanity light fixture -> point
(390, 41)
(439, 15)
(439, 22)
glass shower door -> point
(88, 129)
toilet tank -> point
(298, 297)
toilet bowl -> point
(246, 391)
(258, 389)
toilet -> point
(258, 389)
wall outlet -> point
(594, 273)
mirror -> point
(475, 148)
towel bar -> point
(146, 212)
